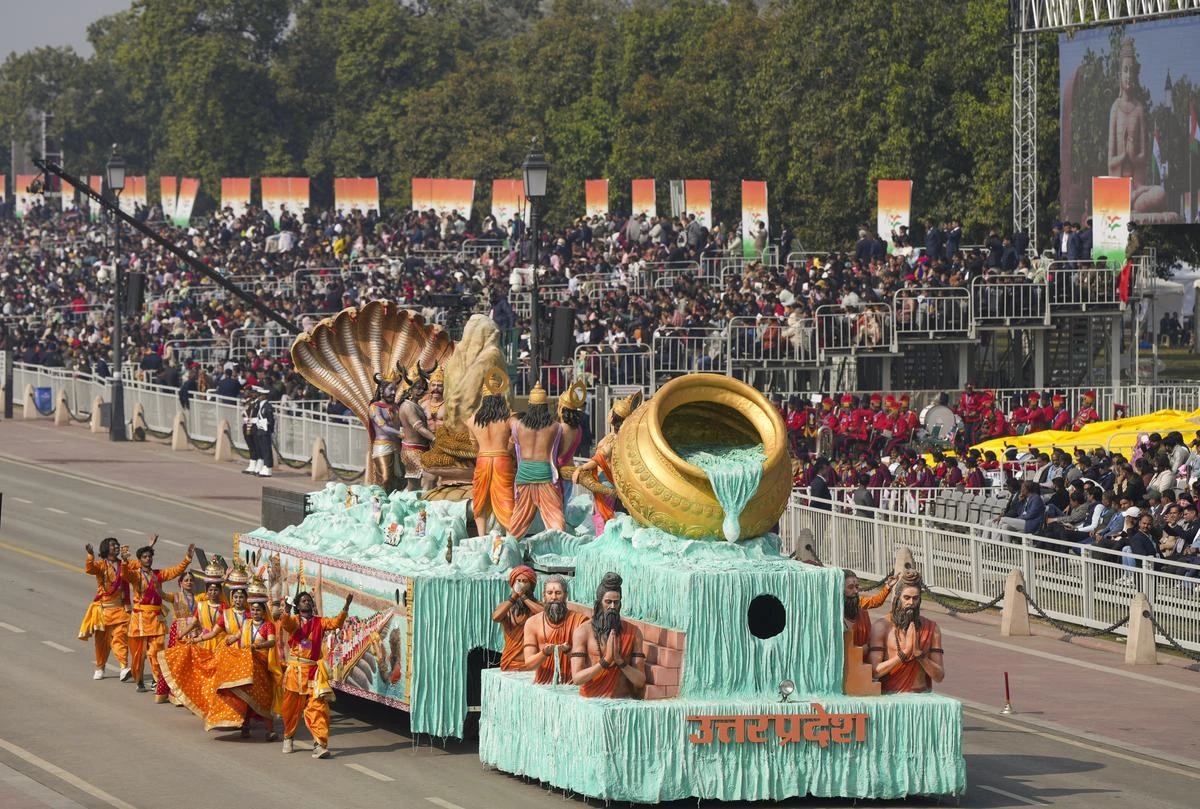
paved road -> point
(66, 741)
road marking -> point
(94, 521)
(173, 542)
(57, 646)
(1011, 795)
(1084, 664)
(14, 629)
(60, 773)
(41, 556)
(23, 500)
(378, 776)
(133, 531)
(1058, 737)
(240, 518)
(56, 510)
(445, 804)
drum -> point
(939, 422)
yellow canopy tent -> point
(1118, 435)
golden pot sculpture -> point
(661, 489)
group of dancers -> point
(232, 655)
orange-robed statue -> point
(548, 634)
(905, 649)
(607, 655)
(513, 612)
(495, 464)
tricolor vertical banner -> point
(697, 195)
(508, 201)
(754, 211)
(356, 194)
(284, 193)
(235, 194)
(178, 198)
(23, 200)
(443, 196)
(894, 208)
(644, 201)
(1110, 219)
(595, 194)
(89, 205)
(134, 195)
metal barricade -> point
(1006, 301)
(1083, 290)
(866, 330)
(933, 315)
(679, 351)
(755, 341)
(624, 364)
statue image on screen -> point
(1127, 151)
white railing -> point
(1077, 584)
(933, 314)
(891, 499)
(855, 330)
(683, 350)
(1002, 301)
(1076, 290)
(624, 364)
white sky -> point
(27, 24)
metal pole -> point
(535, 313)
(116, 418)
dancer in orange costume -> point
(147, 628)
(183, 610)
(306, 685)
(190, 666)
(107, 617)
(258, 635)
(495, 467)
(233, 663)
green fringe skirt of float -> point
(625, 750)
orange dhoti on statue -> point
(492, 486)
(604, 684)
(904, 678)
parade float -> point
(752, 689)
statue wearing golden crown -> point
(606, 501)
(383, 429)
(537, 434)
(415, 423)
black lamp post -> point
(535, 170)
(114, 175)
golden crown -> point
(438, 375)
(625, 407)
(495, 382)
(537, 396)
(575, 396)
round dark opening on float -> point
(766, 616)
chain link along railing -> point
(955, 608)
(346, 477)
(82, 417)
(1073, 631)
(1174, 644)
(203, 446)
(288, 463)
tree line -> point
(819, 99)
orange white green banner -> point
(86, 203)
(508, 202)
(22, 199)
(356, 194)
(644, 200)
(697, 199)
(443, 196)
(235, 194)
(754, 215)
(284, 193)
(595, 193)
(894, 208)
(134, 195)
(178, 197)
(1110, 219)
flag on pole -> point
(1124, 282)
(1194, 130)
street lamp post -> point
(115, 177)
(535, 170)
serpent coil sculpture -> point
(342, 354)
